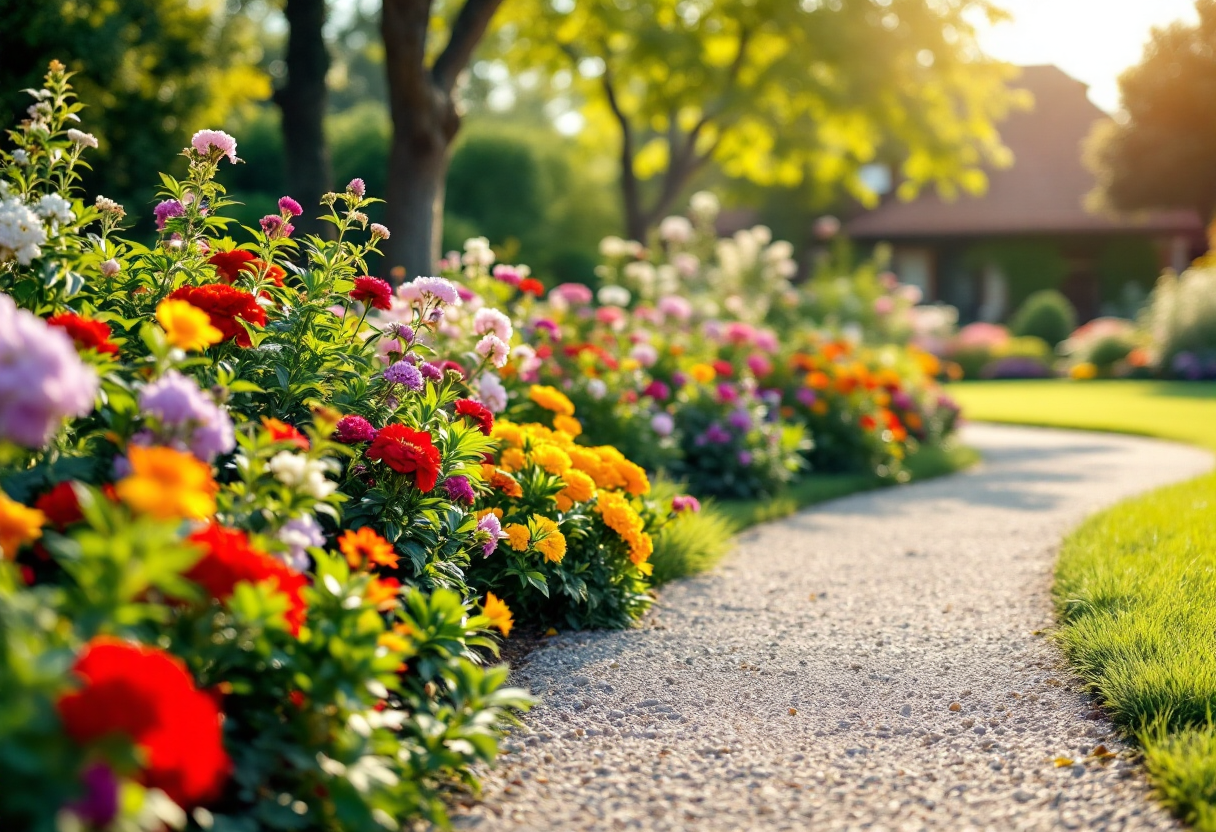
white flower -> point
(662, 424)
(493, 321)
(477, 254)
(20, 157)
(110, 267)
(614, 295)
(55, 207)
(675, 230)
(491, 393)
(82, 138)
(493, 348)
(298, 471)
(21, 232)
(597, 389)
(705, 205)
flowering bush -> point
(1180, 322)
(234, 517)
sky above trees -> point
(1091, 40)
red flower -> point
(478, 412)
(229, 559)
(283, 432)
(723, 368)
(373, 291)
(60, 506)
(532, 286)
(85, 332)
(452, 365)
(544, 351)
(224, 305)
(149, 697)
(408, 451)
(867, 422)
(230, 264)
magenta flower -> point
(353, 429)
(685, 502)
(357, 187)
(458, 489)
(289, 206)
(206, 141)
(430, 371)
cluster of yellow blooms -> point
(587, 472)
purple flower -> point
(352, 429)
(165, 211)
(458, 489)
(745, 458)
(402, 332)
(679, 379)
(492, 527)
(685, 502)
(300, 534)
(727, 393)
(740, 420)
(99, 803)
(205, 141)
(716, 434)
(662, 424)
(186, 414)
(551, 327)
(403, 372)
(357, 187)
(42, 379)
(805, 397)
(430, 371)
(289, 206)
(902, 400)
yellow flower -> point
(567, 424)
(579, 487)
(497, 512)
(511, 434)
(702, 373)
(1083, 371)
(619, 516)
(636, 481)
(512, 459)
(518, 537)
(550, 398)
(552, 458)
(498, 613)
(186, 326)
(549, 541)
(167, 484)
(19, 524)
(395, 642)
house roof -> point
(1043, 192)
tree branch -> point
(468, 30)
(629, 179)
(403, 25)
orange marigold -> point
(364, 546)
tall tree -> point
(1163, 154)
(302, 102)
(423, 104)
(772, 91)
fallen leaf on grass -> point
(1063, 762)
(1101, 752)
(793, 712)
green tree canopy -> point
(151, 72)
(1162, 155)
(772, 91)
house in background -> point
(1031, 229)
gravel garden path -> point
(877, 662)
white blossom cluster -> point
(21, 231)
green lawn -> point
(696, 543)
(1136, 584)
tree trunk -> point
(302, 101)
(414, 211)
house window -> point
(994, 294)
(914, 266)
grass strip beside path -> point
(1136, 584)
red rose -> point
(532, 286)
(224, 305)
(149, 697)
(408, 451)
(230, 264)
(229, 559)
(373, 291)
(723, 368)
(86, 333)
(478, 412)
(60, 506)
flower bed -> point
(264, 517)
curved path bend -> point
(873, 663)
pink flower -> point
(289, 206)
(766, 339)
(357, 187)
(492, 321)
(676, 307)
(439, 288)
(207, 141)
(508, 274)
(575, 294)
(644, 354)
(494, 348)
(610, 315)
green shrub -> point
(1047, 315)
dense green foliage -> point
(1046, 314)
